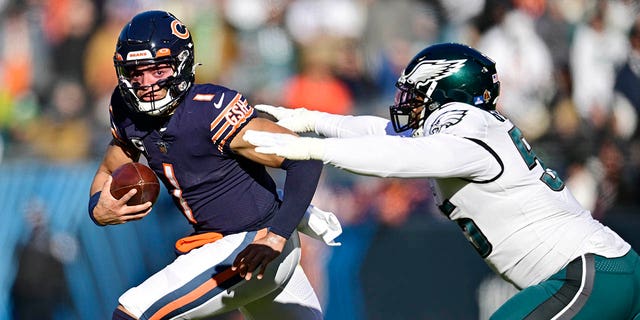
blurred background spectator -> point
(570, 73)
(39, 290)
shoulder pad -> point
(459, 119)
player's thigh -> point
(545, 302)
(277, 274)
(587, 289)
(616, 292)
(527, 300)
(296, 300)
(610, 299)
(203, 277)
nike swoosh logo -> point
(218, 104)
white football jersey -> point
(518, 215)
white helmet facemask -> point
(153, 107)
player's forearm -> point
(94, 192)
(339, 126)
(410, 157)
(98, 180)
(299, 188)
(436, 156)
(116, 155)
(328, 124)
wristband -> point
(93, 202)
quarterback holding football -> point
(191, 136)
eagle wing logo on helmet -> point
(430, 71)
(447, 119)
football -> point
(134, 175)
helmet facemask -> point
(410, 109)
(176, 85)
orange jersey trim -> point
(203, 97)
(224, 112)
(238, 111)
(235, 128)
(189, 243)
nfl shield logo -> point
(163, 146)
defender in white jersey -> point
(518, 214)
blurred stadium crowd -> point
(570, 74)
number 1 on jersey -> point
(177, 192)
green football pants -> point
(589, 287)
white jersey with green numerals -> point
(518, 214)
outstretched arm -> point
(437, 156)
(327, 124)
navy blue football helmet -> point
(440, 74)
(155, 38)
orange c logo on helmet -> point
(175, 29)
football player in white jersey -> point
(518, 214)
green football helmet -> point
(442, 73)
